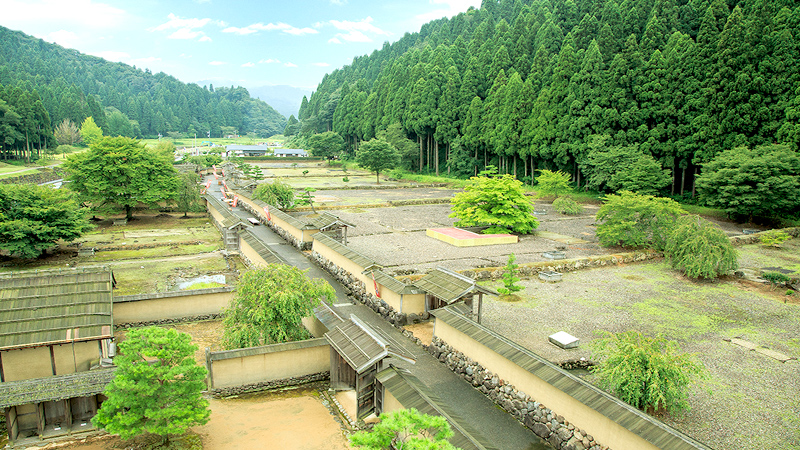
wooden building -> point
(55, 343)
(445, 287)
(358, 353)
(228, 223)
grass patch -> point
(144, 277)
(204, 285)
(157, 252)
(704, 211)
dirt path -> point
(294, 419)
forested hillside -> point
(39, 79)
(576, 85)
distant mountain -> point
(71, 85)
(284, 99)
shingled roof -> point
(449, 286)
(327, 220)
(60, 387)
(51, 306)
(649, 428)
(343, 250)
(357, 344)
(260, 247)
(392, 283)
(411, 393)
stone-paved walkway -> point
(498, 427)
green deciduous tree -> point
(406, 429)
(326, 145)
(550, 183)
(377, 155)
(623, 168)
(157, 388)
(276, 193)
(90, 132)
(187, 196)
(496, 201)
(33, 218)
(764, 181)
(648, 373)
(270, 304)
(699, 249)
(120, 172)
(634, 220)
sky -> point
(251, 43)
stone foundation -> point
(125, 326)
(543, 421)
(267, 385)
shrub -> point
(774, 238)
(568, 206)
(775, 278)
(648, 373)
(276, 193)
(510, 277)
(700, 249)
(551, 183)
(406, 429)
(638, 221)
(497, 201)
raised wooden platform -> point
(464, 238)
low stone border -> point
(267, 385)
(755, 238)
(543, 421)
(126, 325)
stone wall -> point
(755, 238)
(272, 384)
(358, 291)
(540, 419)
(126, 325)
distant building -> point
(247, 150)
(291, 152)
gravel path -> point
(758, 394)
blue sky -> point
(252, 43)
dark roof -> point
(293, 221)
(59, 387)
(327, 316)
(235, 147)
(448, 285)
(411, 393)
(392, 283)
(260, 247)
(60, 305)
(290, 151)
(343, 250)
(641, 424)
(357, 344)
(229, 219)
(326, 221)
(265, 349)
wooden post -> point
(209, 366)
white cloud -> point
(288, 64)
(63, 38)
(80, 14)
(269, 61)
(187, 28)
(280, 26)
(217, 63)
(320, 64)
(248, 64)
(450, 8)
(354, 31)
(111, 55)
(185, 56)
(179, 22)
(339, 2)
